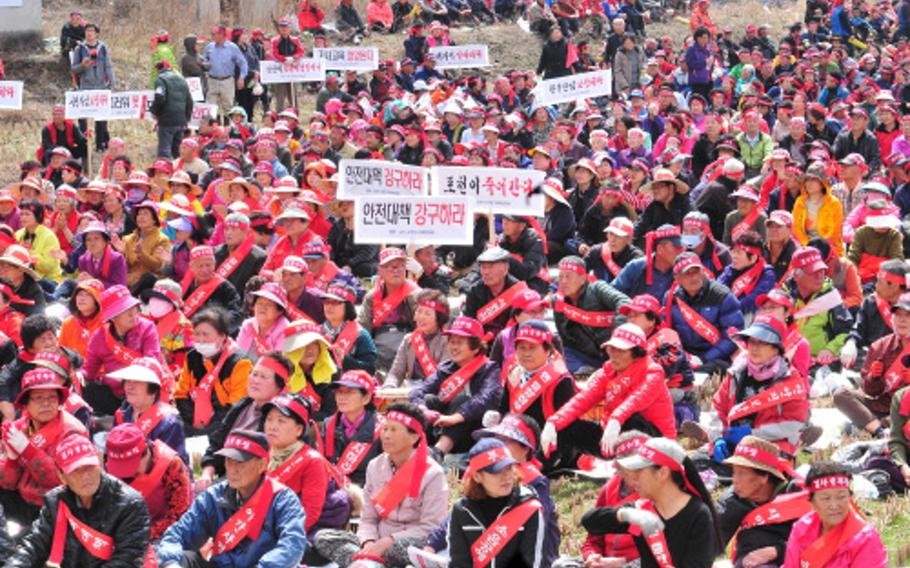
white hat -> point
(663, 446)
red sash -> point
(234, 259)
(524, 396)
(200, 296)
(106, 262)
(746, 223)
(321, 280)
(382, 307)
(748, 279)
(167, 324)
(455, 383)
(355, 452)
(884, 310)
(296, 314)
(784, 508)
(148, 420)
(394, 492)
(499, 304)
(259, 344)
(792, 388)
(46, 435)
(96, 543)
(584, 317)
(905, 411)
(422, 351)
(657, 542)
(607, 257)
(792, 341)
(147, 482)
(697, 322)
(529, 472)
(291, 466)
(345, 341)
(121, 352)
(202, 393)
(248, 521)
(503, 530)
(826, 546)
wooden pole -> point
(491, 228)
(89, 148)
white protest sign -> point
(201, 110)
(574, 87)
(10, 3)
(492, 190)
(373, 177)
(296, 71)
(88, 104)
(427, 220)
(343, 58)
(195, 85)
(129, 104)
(460, 56)
(10, 95)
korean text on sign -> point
(11, 95)
(403, 220)
(493, 190)
(292, 71)
(460, 56)
(88, 104)
(573, 87)
(342, 58)
(371, 177)
(129, 104)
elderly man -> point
(858, 139)
(323, 270)
(226, 62)
(819, 309)
(297, 233)
(238, 259)
(526, 248)
(698, 238)
(388, 309)
(91, 520)
(304, 302)
(874, 318)
(780, 244)
(703, 313)
(585, 314)
(714, 200)
(754, 145)
(669, 206)
(208, 288)
(252, 519)
(489, 299)
(652, 274)
(607, 260)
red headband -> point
(663, 459)
(750, 249)
(763, 457)
(573, 267)
(422, 449)
(486, 459)
(440, 307)
(893, 278)
(517, 423)
(275, 366)
(830, 482)
(244, 444)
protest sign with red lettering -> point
(10, 95)
(200, 110)
(574, 87)
(342, 58)
(195, 85)
(402, 220)
(88, 104)
(460, 56)
(373, 177)
(292, 71)
(129, 104)
(492, 190)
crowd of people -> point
(723, 234)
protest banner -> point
(87, 104)
(492, 190)
(343, 58)
(373, 177)
(129, 104)
(200, 110)
(574, 87)
(296, 71)
(195, 85)
(380, 219)
(10, 95)
(460, 56)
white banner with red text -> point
(419, 220)
(508, 191)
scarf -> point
(278, 457)
(764, 372)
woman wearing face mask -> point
(214, 376)
(834, 534)
(164, 306)
(498, 522)
(145, 248)
(314, 367)
(674, 519)
(422, 349)
(265, 330)
(85, 316)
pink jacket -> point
(100, 360)
(864, 550)
(857, 218)
(273, 340)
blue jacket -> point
(631, 280)
(281, 543)
(485, 388)
(169, 430)
(719, 307)
(766, 282)
(697, 61)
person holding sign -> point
(249, 507)
(833, 534)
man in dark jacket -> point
(858, 139)
(359, 260)
(173, 107)
(71, 34)
(780, 245)
(669, 206)
(192, 64)
(490, 298)
(552, 62)
(715, 202)
(91, 501)
(585, 314)
(528, 262)
(213, 290)
(247, 261)
(435, 276)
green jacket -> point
(824, 331)
(754, 156)
(897, 443)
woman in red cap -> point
(61, 364)
(424, 348)
(462, 388)
(27, 469)
(352, 433)
(64, 219)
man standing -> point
(284, 48)
(72, 33)
(227, 68)
(93, 70)
(173, 107)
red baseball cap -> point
(125, 447)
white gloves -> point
(608, 440)
(848, 354)
(548, 438)
(646, 520)
(490, 418)
(16, 440)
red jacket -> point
(311, 484)
(310, 17)
(641, 389)
(280, 53)
(611, 544)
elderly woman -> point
(145, 248)
(40, 241)
(144, 406)
(779, 305)
(405, 497)
(750, 275)
(27, 468)
(314, 366)
(265, 330)
(100, 260)
(352, 433)
(834, 534)
(462, 389)
(64, 219)
(352, 345)
(634, 394)
(214, 376)
(164, 306)
(424, 348)
(124, 337)
(25, 294)
(85, 316)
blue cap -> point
(180, 224)
(637, 93)
(487, 444)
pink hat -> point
(116, 300)
(358, 379)
(202, 251)
(808, 260)
(390, 254)
(42, 379)
(642, 304)
(621, 227)
(274, 293)
(294, 264)
(75, 452)
(464, 326)
(627, 336)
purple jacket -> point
(484, 386)
(116, 275)
(697, 61)
(12, 220)
(100, 360)
(169, 430)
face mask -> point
(691, 241)
(136, 194)
(207, 350)
(159, 308)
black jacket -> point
(173, 104)
(219, 433)
(656, 214)
(365, 433)
(867, 147)
(440, 279)
(731, 510)
(530, 248)
(250, 266)
(11, 374)
(227, 298)
(715, 202)
(553, 59)
(479, 296)
(594, 261)
(362, 259)
(595, 297)
(117, 511)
